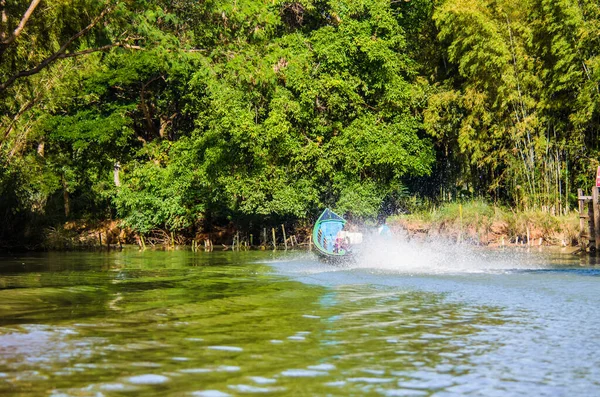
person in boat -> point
(337, 245)
(342, 243)
(344, 240)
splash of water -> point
(442, 256)
(400, 255)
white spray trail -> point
(401, 255)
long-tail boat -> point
(332, 243)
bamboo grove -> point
(180, 114)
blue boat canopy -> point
(330, 215)
(325, 232)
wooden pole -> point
(582, 217)
(310, 242)
(596, 216)
(143, 242)
(274, 242)
(461, 222)
(251, 241)
(284, 237)
(590, 217)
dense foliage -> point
(182, 114)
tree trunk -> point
(116, 171)
(66, 198)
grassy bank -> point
(478, 222)
(473, 222)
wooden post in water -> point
(274, 242)
(591, 229)
(310, 242)
(461, 223)
(284, 237)
(582, 217)
(596, 217)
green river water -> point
(401, 323)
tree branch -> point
(23, 109)
(58, 54)
(107, 47)
(6, 42)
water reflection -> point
(180, 324)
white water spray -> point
(400, 255)
(441, 256)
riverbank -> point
(480, 223)
(474, 223)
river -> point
(422, 320)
